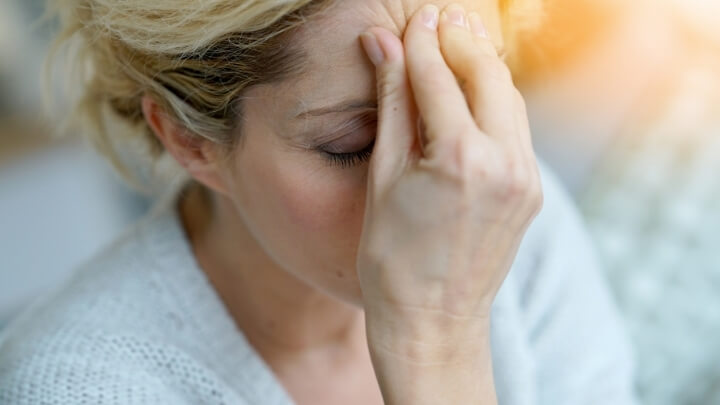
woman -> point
(294, 268)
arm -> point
(435, 366)
(70, 370)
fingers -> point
(496, 105)
(440, 100)
(395, 144)
(487, 80)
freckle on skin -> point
(339, 274)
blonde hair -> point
(193, 58)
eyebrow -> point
(345, 106)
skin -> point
(371, 283)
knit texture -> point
(141, 324)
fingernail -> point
(372, 48)
(456, 15)
(476, 25)
(430, 16)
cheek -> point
(308, 213)
(326, 203)
(324, 211)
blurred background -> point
(59, 201)
(624, 101)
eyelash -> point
(346, 160)
(366, 121)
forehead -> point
(335, 64)
(344, 20)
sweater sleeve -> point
(574, 329)
(86, 373)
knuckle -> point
(433, 74)
(388, 84)
(538, 201)
(486, 47)
(465, 133)
(537, 196)
(496, 70)
(466, 54)
(461, 158)
(511, 182)
(533, 196)
(514, 189)
(475, 60)
(470, 158)
(455, 162)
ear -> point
(198, 156)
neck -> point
(282, 316)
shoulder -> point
(74, 368)
(106, 292)
(97, 334)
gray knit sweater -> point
(140, 324)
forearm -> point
(439, 368)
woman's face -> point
(298, 178)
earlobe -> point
(191, 152)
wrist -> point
(453, 369)
(436, 339)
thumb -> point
(396, 144)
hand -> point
(446, 208)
